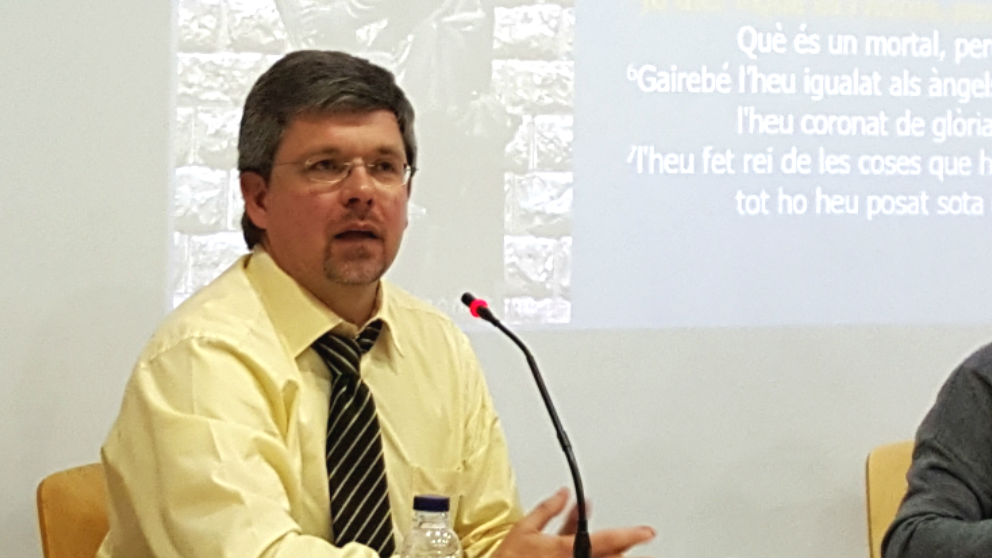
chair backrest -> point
(72, 512)
(885, 484)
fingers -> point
(610, 542)
(571, 522)
(539, 517)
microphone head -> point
(478, 307)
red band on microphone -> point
(475, 305)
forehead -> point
(349, 133)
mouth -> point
(356, 234)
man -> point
(295, 405)
(947, 510)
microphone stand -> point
(581, 545)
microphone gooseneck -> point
(581, 546)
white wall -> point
(84, 137)
(730, 442)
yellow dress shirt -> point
(219, 446)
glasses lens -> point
(389, 172)
(325, 170)
(386, 172)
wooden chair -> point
(72, 512)
(885, 484)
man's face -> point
(327, 236)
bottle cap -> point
(430, 502)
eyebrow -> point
(381, 150)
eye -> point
(386, 167)
(325, 165)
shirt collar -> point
(298, 317)
(386, 312)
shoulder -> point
(961, 415)
(228, 311)
(422, 328)
(406, 308)
(979, 362)
(217, 347)
(971, 379)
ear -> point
(406, 206)
(254, 191)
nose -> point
(357, 189)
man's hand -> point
(526, 539)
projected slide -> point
(782, 162)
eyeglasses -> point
(387, 172)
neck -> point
(354, 303)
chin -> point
(354, 275)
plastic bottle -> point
(431, 535)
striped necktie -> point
(356, 472)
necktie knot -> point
(343, 354)
(368, 336)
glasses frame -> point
(408, 172)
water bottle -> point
(431, 535)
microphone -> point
(581, 545)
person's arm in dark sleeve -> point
(947, 510)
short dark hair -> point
(318, 82)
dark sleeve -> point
(948, 506)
